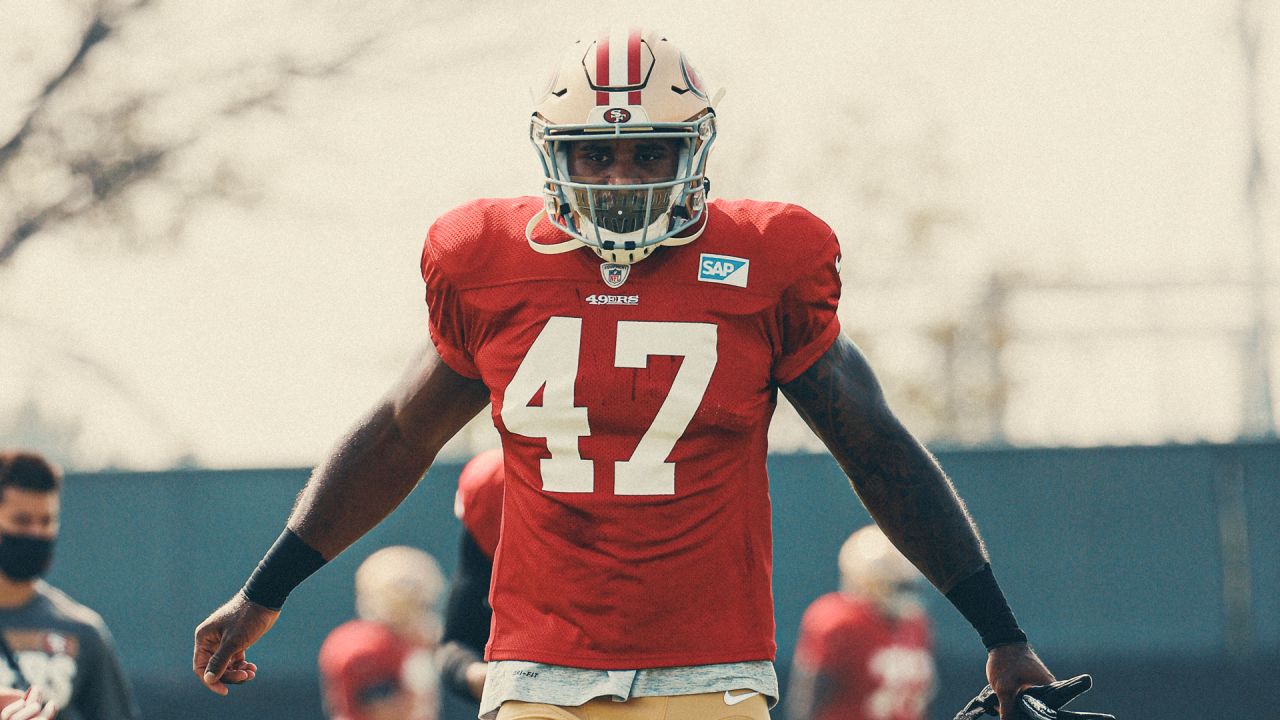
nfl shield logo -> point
(614, 274)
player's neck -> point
(15, 593)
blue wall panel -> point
(1109, 554)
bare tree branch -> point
(97, 31)
(100, 170)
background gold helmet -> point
(871, 567)
(399, 586)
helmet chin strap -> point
(623, 257)
(553, 249)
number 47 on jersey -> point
(562, 422)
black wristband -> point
(289, 561)
(979, 600)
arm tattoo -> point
(897, 479)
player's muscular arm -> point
(367, 475)
(915, 504)
(900, 483)
(381, 460)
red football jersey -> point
(878, 668)
(633, 404)
(361, 662)
(478, 503)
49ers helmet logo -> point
(617, 115)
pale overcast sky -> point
(1086, 142)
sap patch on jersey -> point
(724, 269)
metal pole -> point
(1259, 419)
(1233, 537)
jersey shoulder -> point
(361, 644)
(782, 226)
(784, 242)
(63, 609)
(470, 243)
(837, 612)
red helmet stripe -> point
(602, 69)
(633, 65)
(618, 70)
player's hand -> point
(222, 639)
(1044, 702)
(1039, 702)
(31, 705)
(1011, 669)
(9, 695)
(477, 672)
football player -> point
(381, 666)
(368, 672)
(865, 652)
(631, 337)
(399, 587)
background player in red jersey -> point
(380, 665)
(865, 652)
(367, 674)
(632, 383)
(478, 504)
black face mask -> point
(23, 557)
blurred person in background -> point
(634, 564)
(47, 640)
(478, 504)
(380, 666)
(371, 673)
(400, 587)
(866, 651)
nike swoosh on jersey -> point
(730, 699)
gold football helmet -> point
(623, 85)
(399, 586)
(870, 566)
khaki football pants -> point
(733, 705)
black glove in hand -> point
(985, 704)
(1040, 702)
(1045, 702)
